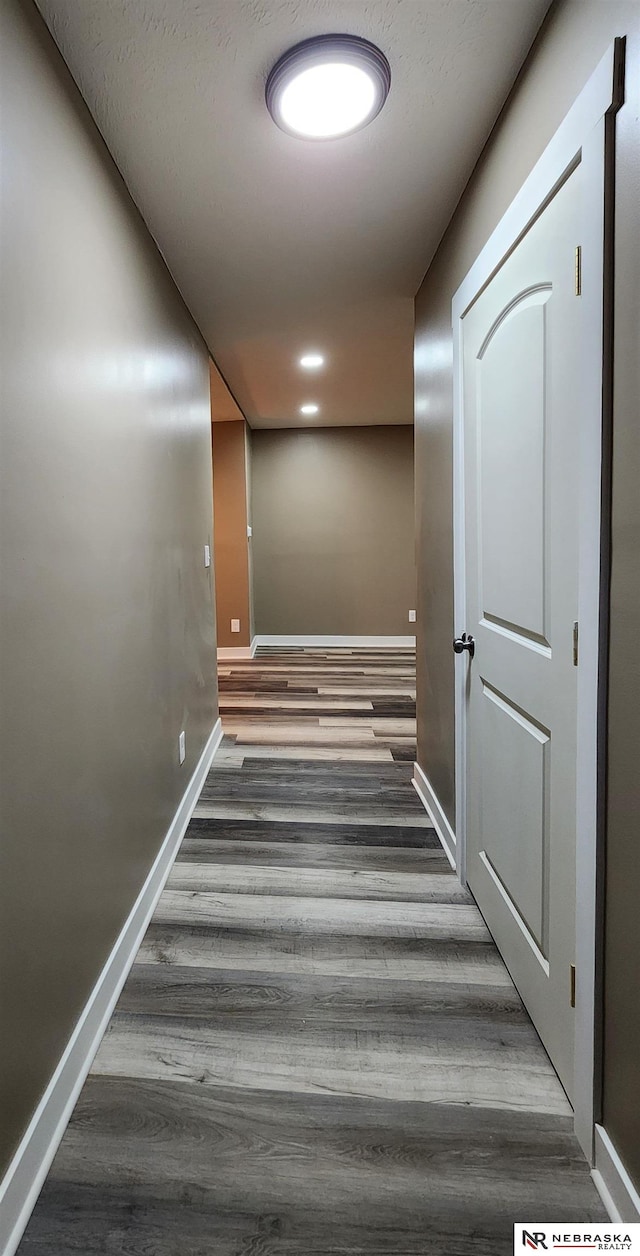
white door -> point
(520, 382)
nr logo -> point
(535, 1240)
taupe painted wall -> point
(248, 458)
(575, 36)
(106, 614)
(231, 545)
(333, 544)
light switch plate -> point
(412, 617)
(182, 746)
(249, 530)
(235, 625)
(207, 556)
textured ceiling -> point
(278, 245)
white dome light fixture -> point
(309, 408)
(328, 86)
(312, 361)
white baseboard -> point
(433, 809)
(26, 1173)
(617, 1191)
(355, 642)
(237, 651)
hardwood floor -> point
(318, 1049)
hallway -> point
(318, 1048)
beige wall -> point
(106, 615)
(224, 407)
(333, 544)
(575, 36)
(231, 545)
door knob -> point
(465, 642)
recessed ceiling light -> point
(328, 86)
(311, 361)
(309, 408)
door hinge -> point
(572, 984)
(575, 643)
(578, 270)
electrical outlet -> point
(412, 617)
(182, 746)
(207, 556)
(235, 625)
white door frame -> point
(580, 140)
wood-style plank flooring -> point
(318, 1049)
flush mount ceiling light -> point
(328, 86)
(312, 361)
(310, 408)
